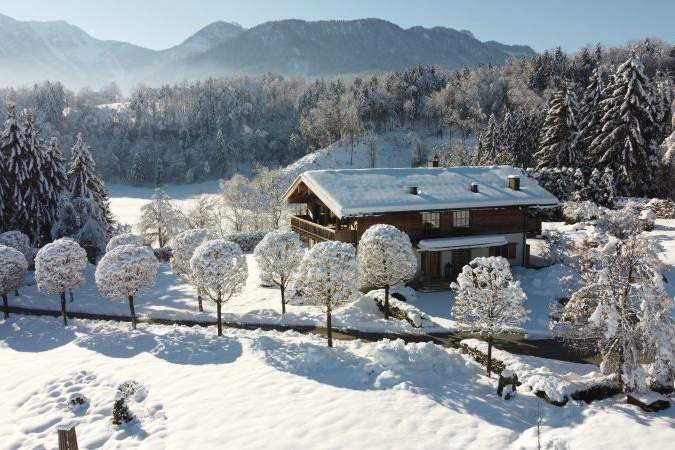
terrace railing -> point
(304, 226)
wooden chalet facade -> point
(452, 215)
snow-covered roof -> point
(437, 244)
(356, 192)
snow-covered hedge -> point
(125, 239)
(18, 241)
(663, 208)
(60, 266)
(398, 309)
(575, 212)
(247, 241)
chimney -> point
(414, 190)
(435, 162)
(474, 187)
(514, 182)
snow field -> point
(256, 389)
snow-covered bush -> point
(124, 271)
(59, 266)
(620, 223)
(219, 269)
(13, 268)
(558, 246)
(184, 246)
(329, 277)
(247, 241)
(278, 256)
(163, 254)
(125, 239)
(584, 211)
(488, 299)
(663, 208)
(386, 258)
(160, 219)
(647, 218)
(18, 241)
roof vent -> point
(474, 187)
(414, 190)
(514, 182)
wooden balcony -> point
(307, 229)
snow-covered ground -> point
(254, 389)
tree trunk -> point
(16, 293)
(72, 297)
(133, 313)
(219, 307)
(63, 308)
(329, 329)
(386, 302)
(489, 356)
(199, 300)
(283, 299)
(5, 305)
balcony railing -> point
(304, 226)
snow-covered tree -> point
(125, 239)
(13, 268)
(85, 183)
(278, 256)
(125, 271)
(626, 141)
(622, 310)
(59, 267)
(658, 323)
(590, 120)
(18, 241)
(489, 143)
(160, 220)
(219, 269)
(386, 258)
(372, 149)
(559, 133)
(184, 246)
(329, 277)
(488, 300)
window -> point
(460, 219)
(431, 222)
(507, 251)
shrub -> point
(247, 241)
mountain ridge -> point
(32, 52)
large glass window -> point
(460, 219)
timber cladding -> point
(481, 221)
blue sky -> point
(541, 24)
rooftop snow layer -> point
(355, 192)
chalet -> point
(452, 215)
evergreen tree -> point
(590, 113)
(84, 182)
(489, 143)
(54, 185)
(559, 133)
(223, 153)
(626, 141)
(10, 144)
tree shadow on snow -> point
(115, 341)
(35, 334)
(196, 348)
(423, 369)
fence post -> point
(67, 439)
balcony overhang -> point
(460, 242)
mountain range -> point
(32, 52)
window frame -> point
(431, 222)
(461, 219)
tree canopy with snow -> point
(160, 220)
(125, 271)
(125, 239)
(329, 277)
(59, 266)
(488, 299)
(279, 255)
(18, 241)
(623, 310)
(386, 258)
(13, 268)
(559, 133)
(219, 269)
(184, 246)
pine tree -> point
(489, 143)
(626, 141)
(53, 186)
(590, 113)
(10, 144)
(84, 182)
(559, 134)
(223, 153)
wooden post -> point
(5, 305)
(133, 313)
(68, 439)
